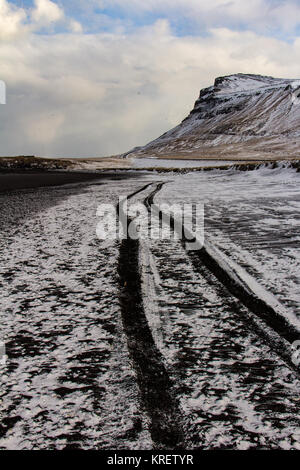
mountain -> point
(242, 116)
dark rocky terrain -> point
(30, 162)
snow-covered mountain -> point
(241, 116)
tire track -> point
(278, 332)
(154, 383)
(266, 322)
(157, 390)
(232, 387)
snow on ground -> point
(234, 391)
(68, 380)
(101, 164)
(169, 163)
(254, 218)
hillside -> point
(241, 116)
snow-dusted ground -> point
(166, 163)
(69, 380)
(234, 391)
(254, 218)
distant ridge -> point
(242, 116)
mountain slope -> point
(240, 117)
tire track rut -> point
(154, 382)
(158, 394)
(279, 334)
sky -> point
(87, 78)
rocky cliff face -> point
(239, 117)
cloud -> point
(46, 12)
(43, 128)
(258, 15)
(75, 26)
(44, 16)
(11, 20)
(79, 94)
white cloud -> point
(46, 12)
(11, 20)
(43, 128)
(75, 26)
(16, 21)
(259, 15)
(99, 94)
(286, 16)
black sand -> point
(10, 181)
(28, 179)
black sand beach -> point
(10, 181)
(25, 180)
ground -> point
(88, 323)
